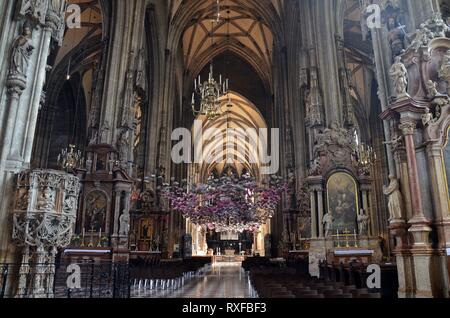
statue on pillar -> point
(395, 203)
(363, 223)
(21, 52)
(399, 74)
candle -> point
(195, 85)
(100, 234)
(83, 232)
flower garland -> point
(227, 203)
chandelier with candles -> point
(207, 95)
(70, 159)
(210, 93)
(365, 157)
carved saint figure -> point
(124, 221)
(431, 88)
(427, 118)
(363, 223)
(399, 74)
(22, 200)
(46, 201)
(328, 224)
(21, 52)
(395, 203)
(444, 70)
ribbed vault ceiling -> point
(238, 25)
(231, 146)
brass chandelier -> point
(210, 92)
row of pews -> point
(336, 281)
(357, 274)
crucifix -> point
(91, 242)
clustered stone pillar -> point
(29, 37)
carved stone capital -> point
(407, 128)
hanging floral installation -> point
(229, 203)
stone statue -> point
(363, 223)
(444, 70)
(124, 221)
(315, 169)
(395, 203)
(328, 224)
(46, 201)
(21, 52)
(431, 89)
(122, 146)
(427, 117)
(399, 74)
(22, 200)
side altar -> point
(343, 216)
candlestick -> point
(100, 238)
(82, 240)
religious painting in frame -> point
(96, 210)
(146, 229)
(342, 195)
(446, 156)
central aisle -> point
(221, 280)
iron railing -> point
(89, 280)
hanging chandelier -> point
(210, 92)
(231, 203)
(365, 158)
(70, 159)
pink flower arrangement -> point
(227, 203)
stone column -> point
(367, 206)
(421, 248)
(419, 224)
(440, 193)
(118, 195)
(320, 204)
(313, 215)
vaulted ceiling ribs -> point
(237, 26)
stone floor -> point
(221, 280)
